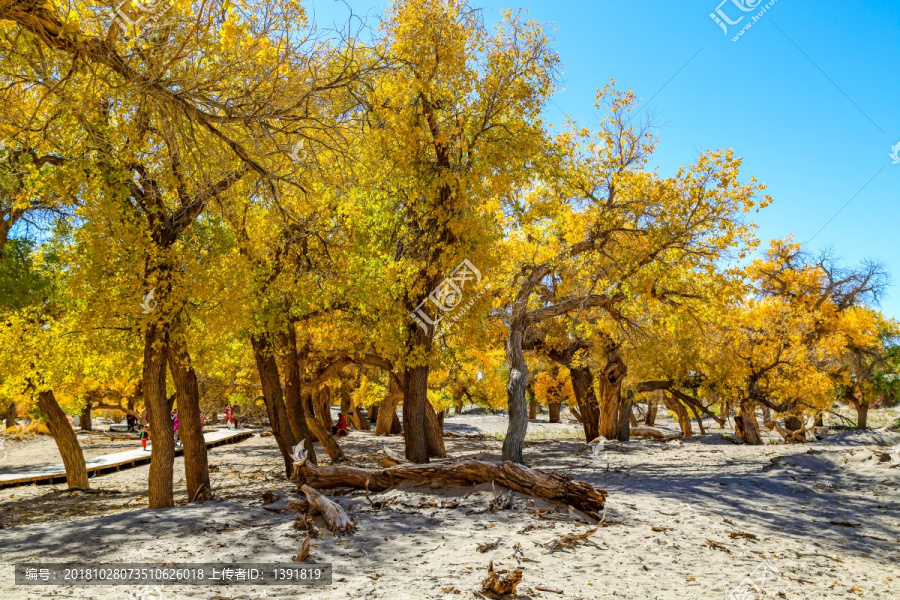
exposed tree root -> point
(501, 583)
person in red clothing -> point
(229, 417)
(341, 427)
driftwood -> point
(471, 436)
(335, 517)
(570, 540)
(651, 432)
(488, 545)
(386, 459)
(303, 552)
(552, 486)
(501, 583)
(790, 436)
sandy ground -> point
(685, 520)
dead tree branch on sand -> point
(552, 486)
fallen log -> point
(653, 433)
(552, 486)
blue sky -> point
(809, 96)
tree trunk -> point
(162, 439)
(373, 414)
(862, 414)
(387, 410)
(588, 407)
(457, 408)
(66, 441)
(820, 420)
(415, 398)
(576, 414)
(322, 400)
(746, 427)
(554, 411)
(684, 421)
(441, 416)
(294, 403)
(699, 418)
(356, 415)
(515, 393)
(11, 415)
(625, 420)
(363, 417)
(272, 394)
(610, 390)
(85, 421)
(318, 431)
(196, 465)
(652, 407)
(434, 432)
(532, 408)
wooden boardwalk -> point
(116, 461)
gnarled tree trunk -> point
(11, 415)
(554, 411)
(294, 403)
(415, 399)
(515, 392)
(322, 400)
(85, 421)
(272, 394)
(610, 391)
(684, 421)
(434, 430)
(187, 394)
(387, 410)
(588, 407)
(746, 426)
(318, 431)
(162, 439)
(652, 407)
(356, 415)
(66, 441)
(862, 415)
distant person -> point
(229, 417)
(145, 435)
(175, 428)
(341, 427)
(131, 422)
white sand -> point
(691, 492)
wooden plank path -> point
(109, 463)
